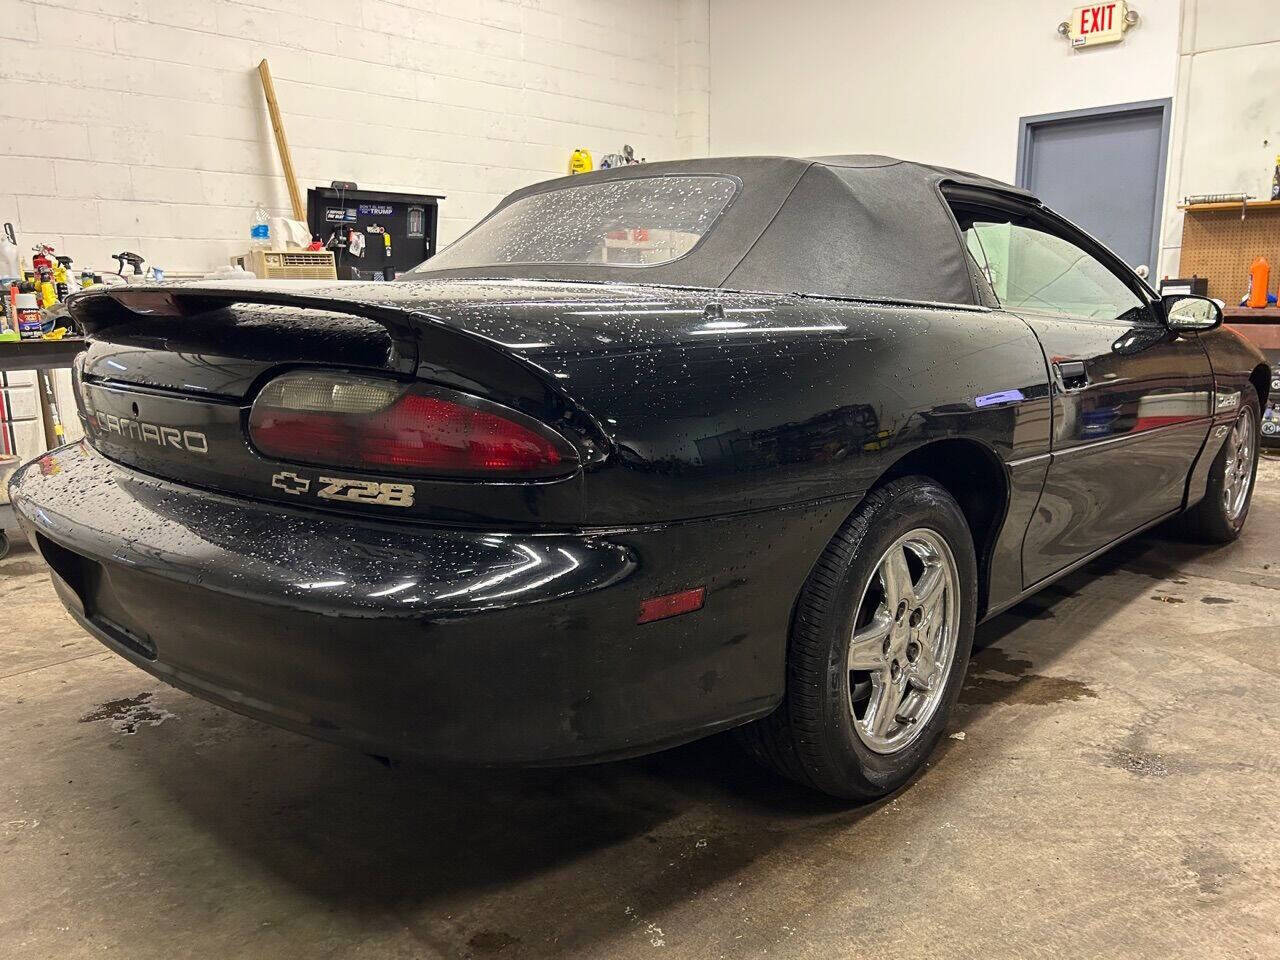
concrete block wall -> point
(140, 124)
(693, 78)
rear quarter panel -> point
(1233, 360)
(778, 401)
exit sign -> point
(1098, 23)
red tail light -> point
(381, 426)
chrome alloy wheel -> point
(1239, 466)
(903, 641)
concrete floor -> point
(1115, 794)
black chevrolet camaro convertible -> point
(647, 454)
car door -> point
(1131, 399)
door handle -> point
(1072, 374)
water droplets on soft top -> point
(634, 222)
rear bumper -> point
(455, 645)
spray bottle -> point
(10, 259)
(62, 277)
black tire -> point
(1209, 521)
(811, 738)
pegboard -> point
(1219, 246)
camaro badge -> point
(290, 483)
(162, 435)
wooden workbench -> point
(1260, 326)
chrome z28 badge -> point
(341, 488)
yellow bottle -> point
(580, 161)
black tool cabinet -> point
(410, 219)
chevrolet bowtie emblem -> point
(290, 483)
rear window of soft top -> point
(636, 222)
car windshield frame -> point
(435, 262)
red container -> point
(1259, 282)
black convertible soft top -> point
(859, 226)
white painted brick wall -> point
(140, 124)
(693, 80)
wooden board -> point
(1219, 246)
(1229, 205)
(282, 142)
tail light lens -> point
(381, 426)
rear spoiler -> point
(98, 309)
(421, 346)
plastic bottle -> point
(10, 259)
(29, 318)
(260, 231)
(62, 278)
(45, 289)
(580, 161)
(1259, 280)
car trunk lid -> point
(168, 380)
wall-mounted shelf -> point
(1230, 205)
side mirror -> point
(1190, 314)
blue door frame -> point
(1027, 126)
